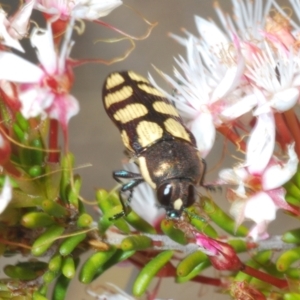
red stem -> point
(53, 141)
(58, 28)
(279, 283)
(293, 125)
(284, 136)
(232, 136)
(208, 280)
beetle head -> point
(175, 195)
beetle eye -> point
(164, 194)
(191, 196)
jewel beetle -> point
(155, 136)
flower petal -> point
(34, 101)
(9, 93)
(267, 208)
(204, 131)
(63, 108)
(207, 244)
(233, 176)
(178, 39)
(237, 210)
(259, 231)
(261, 143)
(26, 71)
(228, 82)
(262, 216)
(232, 77)
(278, 196)
(144, 200)
(210, 33)
(279, 173)
(239, 107)
(285, 100)
(42, 40)
(6, 195)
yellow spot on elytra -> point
(148, 133)
(176, 129)
(130, 112)
(165, 108)
(136, 77)
(145, 172)
(118, 96)
(178, 204)
(114, 80)
(151, 90)
(126, 140)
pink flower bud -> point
(221, 255)
(226, 259)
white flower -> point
(43, 90)
(258, 195)
(207, 94)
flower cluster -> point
(242, 80)
(42, 90)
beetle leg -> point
(117, 175)
(136, 179)
(131, 184)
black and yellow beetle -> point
(153, 132)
